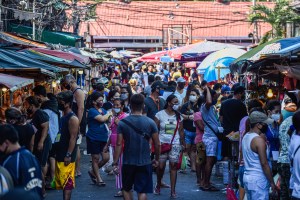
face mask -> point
(181, 86)
(175, 107)
(68, 87)
(117, 110)
(61, 106)
(214, 102)
(29, 111)
(161, 92)
(99, 104)
(124, 96)
(193, 99)
(264, 128)
(276, 117)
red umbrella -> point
(153, 57)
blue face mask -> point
(214, 102)
(161, 92)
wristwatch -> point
(68, 154)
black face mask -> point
(264, 128)
(29, 111)
(61, 106)
(68, 87)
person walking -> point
(137, 166)
(171, 133)
(97, 136)
(66, 146)
(258, 175)
(118, 114)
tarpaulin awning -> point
(290, 71)
(65, 55)
(166, 59)
(14, 82)
(37, 73)
(198, 50)
(52, 59)
(14, 39)
(153, 57)
(11, 59)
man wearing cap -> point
(154, 103)
(180, 91)
(258, 176)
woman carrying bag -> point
(171, 137)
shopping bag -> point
(230, 195)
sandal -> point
(93, 178)
(164, 185)
(156, 190)
(100, 184)
(210, 189)
(119, 194)
(173, 196)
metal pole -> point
(33, 21)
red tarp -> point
(153, 56)
(65, 55)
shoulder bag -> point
(165, 147)
(218, 135)
(138, 131)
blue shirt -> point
(97, 130)
(167, 75)
(24, 170)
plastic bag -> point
(230, 195)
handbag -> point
(218, 135)
(230, 195)
(165, 147)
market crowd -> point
(140, 117)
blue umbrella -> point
(211, 73)
(166, 59)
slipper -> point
(210, 189)
(100, 184)
(173, 196)
(164, 185)
(119, 194)
(93, 178)
(156, 190)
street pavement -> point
(186, 187)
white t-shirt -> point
(53, 124)
(167, 127)
(145, 77)
(295, 142)
(180, 96)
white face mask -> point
(193, 99)
(276, 117)
(117, 110)
(175, 107)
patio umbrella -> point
(198, 51)
(153, 57)
(228, 52)
(166, 59)
(256, 53)
(218, 69)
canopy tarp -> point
(14, 82)
(198, 50)
(36, 73)
(290, 71)
(52, 59)
(63, 38)
(15, 39)
(153, 57)
(11, 59)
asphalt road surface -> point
(186, 187)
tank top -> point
(251, 159)
(63, 143)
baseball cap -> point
(224, 89)
(157, 84)
(260, 117)
(181, 80)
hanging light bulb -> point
(54, 84)
(270, 93)
(4, 89)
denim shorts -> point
(241, 176)
(189, 137)
(211, 145)
(257, 187)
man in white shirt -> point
(180, 90)
(294, 154)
